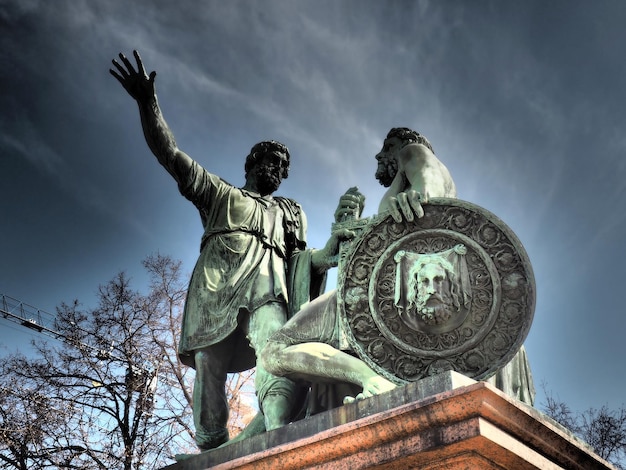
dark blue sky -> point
(523, 101)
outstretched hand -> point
(136, 82)
(407, 205)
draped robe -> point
(252, 252)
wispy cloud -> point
(23, 141)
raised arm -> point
(158, 135)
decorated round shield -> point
(453, 290)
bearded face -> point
(433, 292)
(268, 172)
(386, 171)
(268, 178)
(433, 310)
(387, 163)
(433, 299)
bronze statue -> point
(308, 346)
(431, 291)
(253, 265)
(255, 272)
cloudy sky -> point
(523, 101)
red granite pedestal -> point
(443, 422)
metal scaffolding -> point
(28, 316)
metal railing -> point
(27, 315)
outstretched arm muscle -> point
(159, 137)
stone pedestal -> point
(443, 422)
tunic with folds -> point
(252, 253)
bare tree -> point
(559, 411)
(241, 399)
(107, 370)
(28, 422)
(603, 429)
(113, 393)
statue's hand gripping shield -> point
(453, 290)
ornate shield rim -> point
(439, 360)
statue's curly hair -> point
(267, 146)
(409, 136)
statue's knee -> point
(270, 357)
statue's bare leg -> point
(275, 394)
(322, 362)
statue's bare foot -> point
(372, 386)
(376, 385)
(350, 399)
